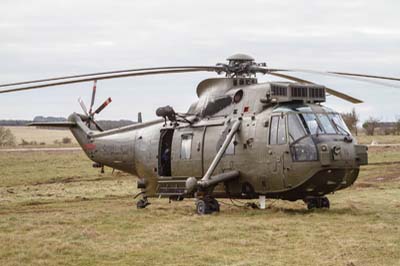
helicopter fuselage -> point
(288, 145)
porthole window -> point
(238, 96)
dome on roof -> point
(240, 57)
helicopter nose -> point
(336, 153)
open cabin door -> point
(164, 152)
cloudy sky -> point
(46, 38)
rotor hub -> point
(242, 65)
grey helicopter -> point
(240, 140)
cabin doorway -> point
(164, 152)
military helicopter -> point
(240, 140)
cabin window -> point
(186, 146)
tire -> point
(214, 205)
(325, 203)
(312, 204)
(201, 207)
(141, 204)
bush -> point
(25, 142)
(66, 140)
(7, 138)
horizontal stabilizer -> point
(52, 124)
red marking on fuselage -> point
(89, 146)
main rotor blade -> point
(364, 75)
(107, 73)
(331, 91)
(103, 105)
(212, 68)
(352, 76)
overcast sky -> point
(46, 38)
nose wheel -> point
(317, 203)
(142, 203)
(207, 205)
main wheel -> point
(311, 204)
(325, 203)
(214, 205)
(201, 207)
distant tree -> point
(397, 126)
(7, 138)
(370, 125)
(351, 119)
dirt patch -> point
(378, 149)
(385, 178)
(364, 185)
(79, 179)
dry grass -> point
(47, 136)
(381, 139)
(57, 210)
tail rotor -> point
(90, 114)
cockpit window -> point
(209, 105)
(296, 129)
(310, 122)
(314, 120)
(339, 124)
(216, 105)
(326, 124)
(273, 130)
(282, 130)
(277, 133)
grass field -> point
(380, 139)
(57, 210)
(42, 135)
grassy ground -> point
(42, 135)
(380, 139)
(57, 210)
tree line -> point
(372, 125)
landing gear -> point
(207, 205)
(142, 203)
(317, 203)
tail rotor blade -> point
(101, 107)
(99, 128)
(83, 106)
(93, 96)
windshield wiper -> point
(339, 128)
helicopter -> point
(240, 140)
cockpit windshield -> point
(304, 120)
(305, 124)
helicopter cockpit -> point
(306, 126)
